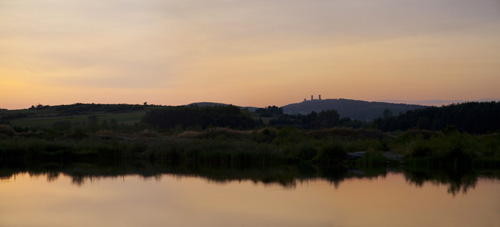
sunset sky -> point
(246, 52)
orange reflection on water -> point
(191, 201)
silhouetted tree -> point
(472, 117)
(194, 116)
(387, 114)
(424, 123)
(327, 119)
(270, 111)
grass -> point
(228, 146)
(49, 121)
(215, 151)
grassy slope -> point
(76, 114)
(47, 121)
(46, 117)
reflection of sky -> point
(172, 201)
(180, 51)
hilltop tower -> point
(312, 97)
(319, 97)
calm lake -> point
(167, 199)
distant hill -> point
(355, 109)
(438, 102)
(79, 113)
(203, 104)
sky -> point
(246, 52)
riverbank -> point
(228, 147)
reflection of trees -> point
(52, 176)
(285, 175)
(457, 181)
(337, 175)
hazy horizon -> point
(247, 53)
(432, 102)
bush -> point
(62, 125)
(347, 133)
(425, 134)
(287, 135)
(304, 152)
(7, 130)
(421, 151)
(78, 133)
(264, 135)
(458, 154)
(334, 152)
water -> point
(166, 199)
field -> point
(76, 114)
(37, 121)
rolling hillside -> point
(203, 104)
(355, 109)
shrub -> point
(347, 133)
(264, 135)
(421, 151)
(78, 133)
(334, 152)
(304, 152)
(287, 135)
(62, 125)
(7, 130)
(425, 134)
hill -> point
(355, 109)
(79, 113)
(82, 114)
(204, 104)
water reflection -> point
(457, 181)
(287, 176)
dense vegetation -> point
(199, 117)
(270, 111)
(333, 146)
(229, 135)
(472, 117)
(323, 119)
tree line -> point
(472, 117)
(199, 117)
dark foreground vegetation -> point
(228, 136)
(473, 117)
(227, 147)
